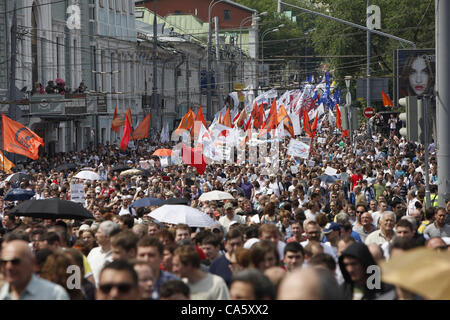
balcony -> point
(58, 105)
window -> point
(124, 5)
(118, 5)
(131, 2)
(227, 15)
(111, 4)
(100, 3)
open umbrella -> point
(176, 201)
(177, 214)
(327, 178)
(422, 271)
(87, 175)
(19, 194)
(52, 209)
(146, 202)
(163, 152)
(18, 177)
(66, 166)
(215, 195)
(120, 168)
(135, 172)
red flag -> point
(141, 131)
(387, 102)
(115, 128)
(344, 133)
(271, 121)
(19, 139)
(306, 125)
(126, 135)
(194, 158)
(258, 117)
(314, 127)
(338, 118)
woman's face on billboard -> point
(418, 76)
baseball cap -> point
(333, 226)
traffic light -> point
(410, 117)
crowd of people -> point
(295, 234)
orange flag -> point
(306, 125)
(187, 122)
(220, 118)
(19, 139)
(120, 120)
(271, 121)
(344, 133)
(141, 131)
(284, 117)
(114, 128)
(338, 118)
(387, 102)
(227, 118)
(199, 116)
(126, 135)
(259, 119)
(240, 121)
(5, 163)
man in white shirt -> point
(102, 254)
(312, 230)
(274, 185)
(230, 216)
(202, 285)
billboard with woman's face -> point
(414, 72)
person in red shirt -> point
(354, 179)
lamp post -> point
(208, 70)
(245, 20)
(276, 29)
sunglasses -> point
(15, 262)
(122, 287)
(360, 211)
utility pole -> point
(219, 81)
(442, 12)
(156, 104)
(12, 74)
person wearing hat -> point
(230, 216)
(126, 209)
(331, 232)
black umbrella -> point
(120, 168)
(176, 201)
(18, 194)
(18, 177)
(66, 166)
(146, 202)
(52, 209)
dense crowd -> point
(296, 234)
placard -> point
(77, 193)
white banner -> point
(298, 149)
(77, 193)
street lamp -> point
(208, 70)
(245, 20)
(276, 29)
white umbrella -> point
(87, 175)
(176, 214)
(215, 195)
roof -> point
(240, 6)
